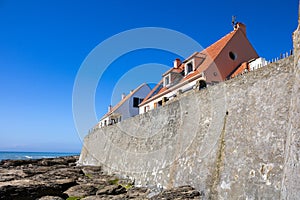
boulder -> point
(81, 191)
(112, 190)
(183, 192)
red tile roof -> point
(211, 54)
(153, 91)
(240, 69)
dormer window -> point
(167, 80)
(189, 67)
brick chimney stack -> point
(177, 63)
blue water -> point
(31, 155)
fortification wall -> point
(291, 171)
(230, 141)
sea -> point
(4, 155)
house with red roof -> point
(126, 108)
(224, 59)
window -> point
(167, 80)
(159, 103)
(137, 101)
(232, 55)
(146, 108)
(165, 99)
(189, 68)
(202, 84)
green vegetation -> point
(127, 186)
(114, 181)
(88, 175)
(73, 198)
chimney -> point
(240, 26)
(123, 95)
(109, 108)
(177, 63)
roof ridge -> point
(211, 51)
(123, 100)
(231, 34)
(151, 92)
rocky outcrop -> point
(60, 178)
(30, 179)
(183, 192)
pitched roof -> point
(123, 101)
(210, 52)
(244, 66)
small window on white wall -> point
(146, 108)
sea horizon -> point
(27, 155)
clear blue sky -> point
(43, 43)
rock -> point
(81, 191)
(112, 190)
(183, 192)
(14, 163)
(50, 198)
(94, 197)
(12, 174)
(92, 170)
(138, 193)
(60, 178)
(32, 189)
(53, 161)
(27, 179)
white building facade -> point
(257, 63)
(126, 108)
(173, 84)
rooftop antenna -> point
(233, 21)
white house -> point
(127, 107)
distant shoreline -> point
(19, 155)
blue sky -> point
(43, 43)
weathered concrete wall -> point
(291, 173)
(237, 139)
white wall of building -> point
(257, 63)
(169, 95)
(126, 109)
(142, 93)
